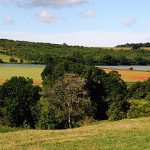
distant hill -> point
(42, 53)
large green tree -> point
(18, 97)
(116, 96)
(65, 103)
(108, 92)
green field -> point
(127, 134)
(8, 72)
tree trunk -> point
(69, 119)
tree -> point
(12, 60)
(95, 78)
(140, 90)
(68, 101)
(140, 61)
(1, 61)
(137, 90)
(135, 46)
(19, 98)
(116, 96)
(109, 60)
(77, 58)
(108, 92)
(21, 61)
(123, 60)
(53, 71)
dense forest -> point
(32, 52)
(73, 94)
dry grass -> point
(117, 48)
(124, 48)
(120, 135)
(132, 75)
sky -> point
(94, 23)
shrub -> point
(4, 129)
(12, 60)
(139, 108)
(1, 61)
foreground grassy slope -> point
(120, 135)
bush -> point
(1, 61)
(139, 108)
(115, 112)
(21, 61)
(12, 60)
(4, 129)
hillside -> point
(120, 135)
(32, 52)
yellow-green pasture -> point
(34, 73)
(6, 58)
(127, 134)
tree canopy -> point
(18, 99)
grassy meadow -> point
(6, 58)
(8, 72)
(133, 134)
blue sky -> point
(76, 22)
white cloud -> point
(88, 13)
(9, 20)
(47, 17)
(46, 3)
(56, 3)
(84, 38)
(129, 21)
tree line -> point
(73, 93)
(135, 45)
(32, 52)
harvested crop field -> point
(132, 75)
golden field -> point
(132, 75)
